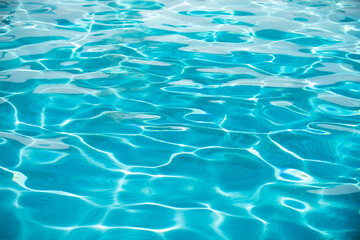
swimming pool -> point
(173, 119)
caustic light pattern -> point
(179, 119)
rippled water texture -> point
(180, 120)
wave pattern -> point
(178, 119)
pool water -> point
(180, 119)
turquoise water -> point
(173, 119)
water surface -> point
(173, 119)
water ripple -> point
(177, 119)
